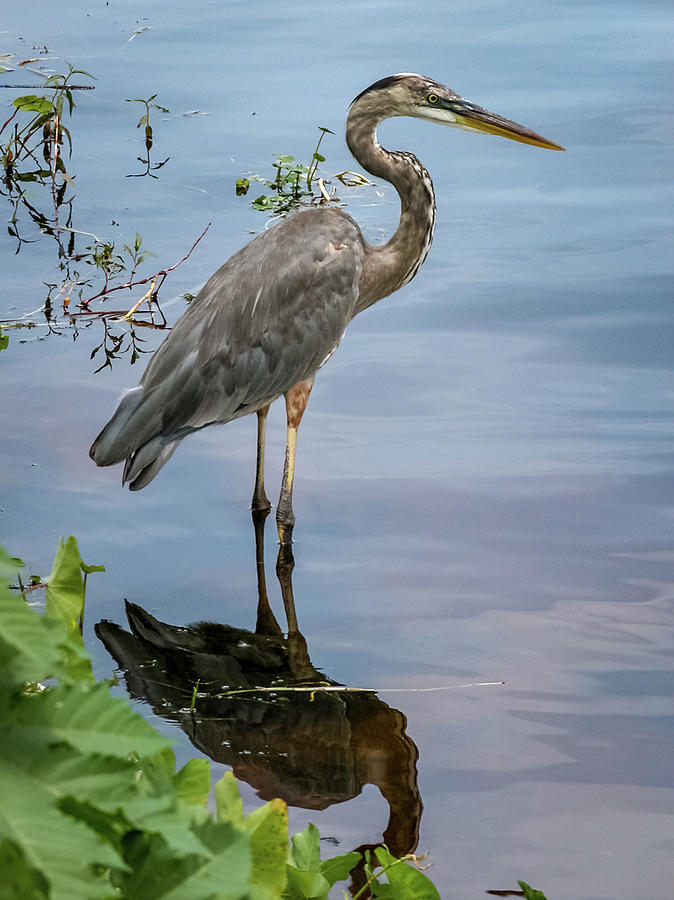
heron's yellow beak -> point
(474, 118)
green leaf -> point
(382, 891)
(530, 893)
(19, 877)
(58, 770)
(242, 185)
(159, 874)
(4, 342)
(30, 646)
(305, 879)
(326, 130)
(65, 587)
(82, 72)
(88, 718)
(308, 877)
(63, 849)
(305, 850)
(193, 782)
(263, 202)
(64, 602)
(9, 565)
(159, 770)
(229, 807)
(407, 883)
(338, 868)
(32, 103)
(305, 885)
(319, 157)
(267, 829)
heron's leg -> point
(296, 402)
(260, 499)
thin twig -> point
(11, 117)
(131, 284)
(148, 294)
(344, 689)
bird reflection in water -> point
(311, 748)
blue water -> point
(484, 475)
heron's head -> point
(424, 98)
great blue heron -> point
(275, 312)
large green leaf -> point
(267, 828)
(19, 878)
(29, 645)
(64, 850)
(9, 567)
(65, 584)
(229, 807)
(406, 882)
(193, 782)
(109, 785)
(158, 873)
(305, 885)
(87, 717)
(60, 770)
(158, 771)
(305, 850)
(64, 600)
(338, 868)
(309, 878)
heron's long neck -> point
(390, 266)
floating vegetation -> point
(293, 184)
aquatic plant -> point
(293, 184)
(144, 123)
(33, 151)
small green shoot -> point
(144, 123)
(195, 692)
(530, 893)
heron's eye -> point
(432, 98)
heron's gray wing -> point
(265, 320)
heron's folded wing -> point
(265, 320)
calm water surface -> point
(484, 475)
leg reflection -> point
(266, 622)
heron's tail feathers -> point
(125, 431)
(142, 467)
(134, 434)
